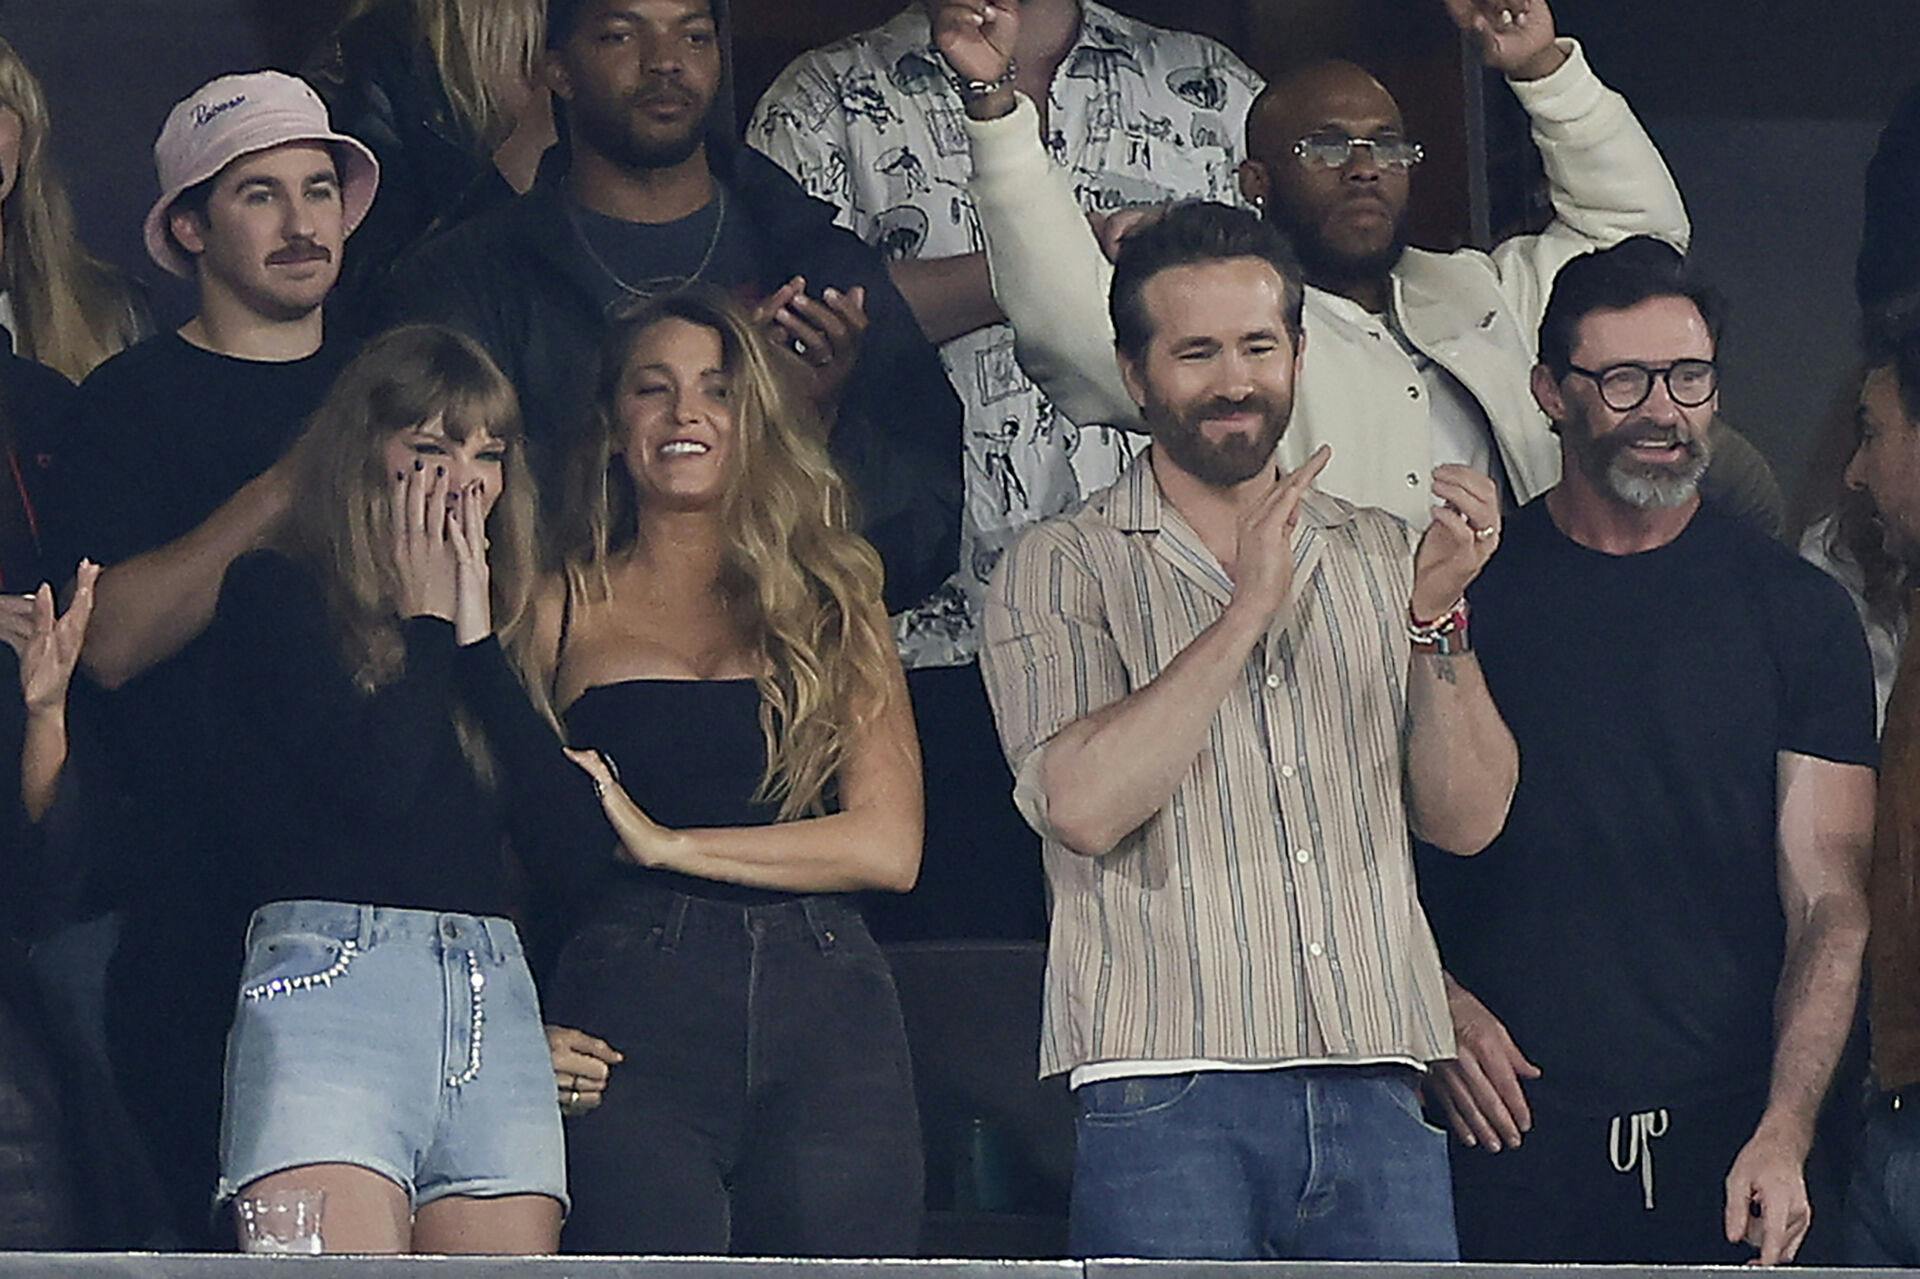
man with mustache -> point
(1416, 357)
(873, 124)
(648, 193)
(174, 473)
(1652, 971)
(1203, 686)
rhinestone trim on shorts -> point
(288, 985)
(477, 985)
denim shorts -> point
(401, 1041)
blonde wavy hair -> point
(71, 310)
(342, 525)
(479, 46)
(797, 577)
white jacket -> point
(1475, 314)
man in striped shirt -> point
(1203, 685)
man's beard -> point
(1231, 460)
(1328, 267)
(608, 130)
(1646, 486)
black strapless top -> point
(691, 754)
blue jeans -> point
(1330, 1163)
(1883, 1201)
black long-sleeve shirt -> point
(343, 795)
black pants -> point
(766, 1103)
(1560, 1196)
(37, 1192)
(980, 873)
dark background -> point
(1766, 112)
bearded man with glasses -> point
(1415, 359)
(1653, 969)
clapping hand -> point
(1516, 36)
(825, 333)
(47, 645)
(1459, 542)
(1263, 559)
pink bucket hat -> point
(238, 115)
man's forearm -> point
(1106, 774)
(150, 607)
(1813, 1011)
(948, 296)
(1462, 764)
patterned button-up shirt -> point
(1267, 912)
(870, 124)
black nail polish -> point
(439, 470)
(418, 464)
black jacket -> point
(519, 280)
(381, 86)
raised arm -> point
(1048, 271)
(1094, 760)
(1462, 764)
(1606, 178)
(1825, 837)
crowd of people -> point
(578, 575)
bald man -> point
(1414, 359)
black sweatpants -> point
(1562, 1194)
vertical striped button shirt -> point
(1266, 913)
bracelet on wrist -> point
(971, 90)
(1446, 636)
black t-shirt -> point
(714, 244)
(163, 434)
(1626, 925)
(339, 794)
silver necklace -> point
(663, 283)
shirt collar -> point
(1135, 503)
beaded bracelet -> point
(971, 90)
(1446, 636)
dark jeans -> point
(980, 873)
(1322, 1163)
(1561, 1195)
(1883, 1201)
(766, 1103)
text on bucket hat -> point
(238, 115)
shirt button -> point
(1273, 681)
(1286, 771)
(1316, 949)
(1413, 393)
(1302, 856)
(1413, 479)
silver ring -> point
(1482, 534)
(573, 1096)
(1506, 17)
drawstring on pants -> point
(1642, 1128)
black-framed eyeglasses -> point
(1333, 149)
(1626, 386)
